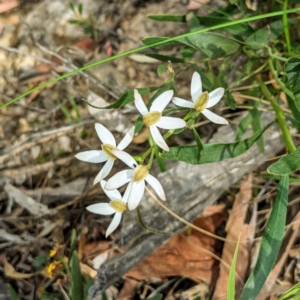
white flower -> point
(202, 101)
(109, 143)
(154, 118)
(136, 178)
(116, 206)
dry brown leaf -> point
(194, 5)
(10, 271)
(128, 290)
(234, 227)
(142, 137)
(185, 254)
(87, 271)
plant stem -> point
(279, 115)
(278, 81)
(286, 26)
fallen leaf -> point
(235, 227)
(142, 137)
(186, 254)
(10, 271)
(194, 5)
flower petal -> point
(92, 156)
(125, 157)
(139, 103)
(162, 101)
(119, 179)
(155, 184)
(215, 96)
(105, 135)
(113, 194)
(105, 170)
(170, 123)
(127, 192)
(114, 224)
(158, 139)
(213, 117)
(183, 103)
(126, 139)
(196, 86)
(136, 194)
(101, 209)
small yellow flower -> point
(52, 252)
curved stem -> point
(279, 115)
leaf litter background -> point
(44, 190)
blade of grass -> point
(231, 278)
(270, 244)
(286, 26)
(231, 23)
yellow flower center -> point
(118, 205)
(140, 173)
(201, 102)
(107, 150)
(151, 118)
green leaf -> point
(12, 293)
(40, 260)
(229, 100)
(278, 177)
(162, 69)
(293, 293)
(287, 164)
(126, 98)
(71, 5)
(270, 243)
(292, 68)
(77, 288)
(257, 125)
(80, 8)
(157, 296)
(213, 45)
(231, 277)
(138, 124)
(212, 152)
(187, 53)
(262, 37)
(243, 126)
(73, 243)
(198, 142)
(165, 58)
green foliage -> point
(12, 293)
(243, 126)
(41, 260)
(292, 68)
(270, 244)
(293, 293)
(73, 243)
(287, 164)
(157, 296)
(264, 36)
(77, 288)
(198, 142)
(212, 152)
(231, 277)
(162, 69)
(257, 125)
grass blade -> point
(270, 244)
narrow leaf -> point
(212, 152)
(73, 242)
(292, 68)
(77, 289)
(243, 126)
(257, 125)
(291, 293)
(287, 164)
(270, 244)
(199, 143)
(231, 277)
(165, 58)
(157, 296)
(12, 293)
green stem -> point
(276, 56)
(151, 157)
(278, 81)
(279, 115)
(219, 26)
(286, 26)
(146, 153)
